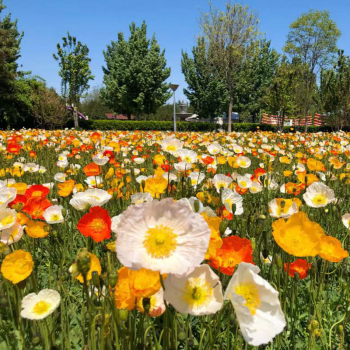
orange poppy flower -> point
(144, 283)
(36, 206)
(37, 191)
(123, 297)
(234, 250)
(332, 250)
(66, 188)
(293, 188)
(92, 169)
(96, 224)
(18, 203)
(315, 165)
(299, 266)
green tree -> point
(281, 94)
(229, 35)
(335, 91)
(257, 77)
(10, 41)
(135, 74)
(47, 107)
(312, 41)
(75, 70)
(206, 91)
(93, 106)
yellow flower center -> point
(8, 220)
(221, 184)
(36, 194)
(187, 160)
(243, 184)
(243, 163)
(171, 148)
(98, 225)
(55, 217)
(319, 199)
(41, 307)
(197, 292)
(251, 295)
(160, 241)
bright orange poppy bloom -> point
(299, 266)
(36, 206)
(96, 224)
(37, 191)
(92, 169)
(234, 250)
(66, 188)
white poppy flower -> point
(187, 155)
(141, 198)
(161, 236)
(256, 305)
(41, 305)
(60, 177)
(53, 214)
(8, 218)
(243, 162)
(346, 220)
(7, 195)
(196, 178)
(318, 195)
(221, 180)
(93, 181)
(100, 159)
(198, 292)
(280, 208)
(214, 148)
(12, 234)
(229, 198)
(171, 145)
(90, 198)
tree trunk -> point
(230, 114)
(76, 119)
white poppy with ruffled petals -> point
(256, 305)
(164, 236)
(198, 292)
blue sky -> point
(175, 23)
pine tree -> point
(135, 74)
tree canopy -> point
(135, 74)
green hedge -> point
(183, 126)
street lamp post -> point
(174, 88)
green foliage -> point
(280, 97)
(206, 92)
(229, 35)
(313, 39)
(74, 68)
(93, 105)
(10, 41)
(335, 91)
(183, 126)
(135, 74)
(256, 79)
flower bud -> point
(123, 315)
(223, 227)
(96, 279)
(182, 336)
(146, 304)
(196, 206)
(83, 261)
(313, 325)
(279, 262)
(113, 278)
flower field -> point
(135, 240)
